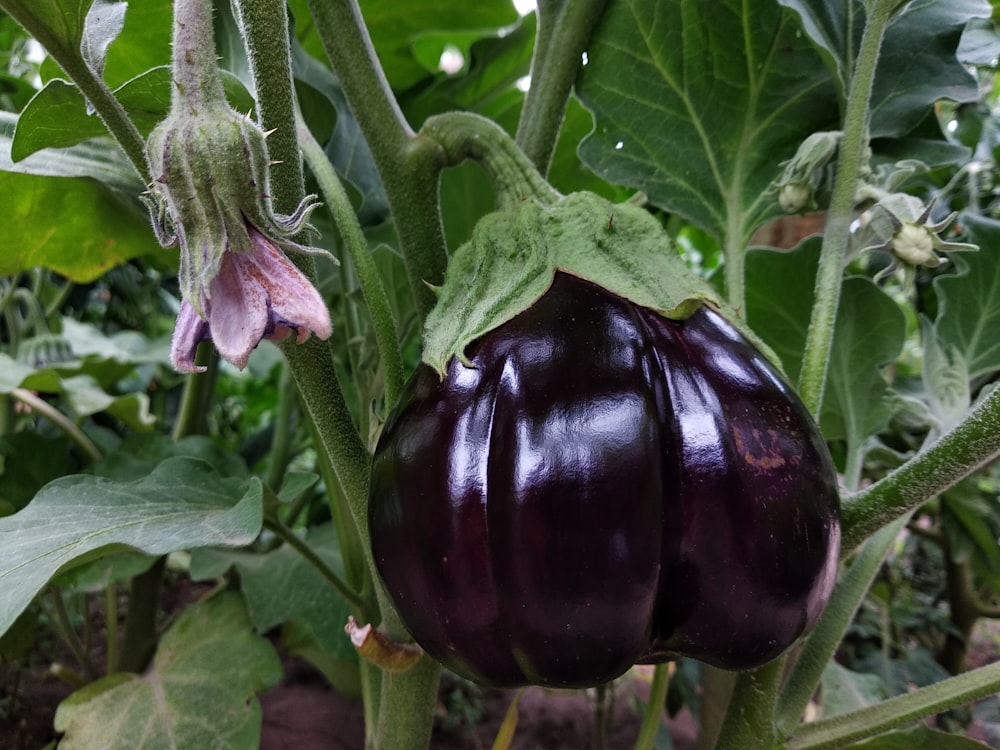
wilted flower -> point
(210, 197)
(257, 294)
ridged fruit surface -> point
(603, 486)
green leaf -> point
(920, 738)
(143, 44)
(103, 24)
(182, 504)
(917, 64)
(845, 690)
(969, 300)
(870, 333)
(57, 24)
(198, 693)
(396, 26)
(86, 397)
(696, 104)
(28, 461)
(282, 587)
(95, 576)
(140, 454)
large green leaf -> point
(182, 504)
(845, 690)
(696, 104)
(869, 334)
(198, 693)
(917, 63)
(969, 301)
(282, 587)
(57, 24)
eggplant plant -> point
(540, 403)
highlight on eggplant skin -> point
(603, 486)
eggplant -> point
(600, 486)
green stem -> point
(749, 722)
(956, 454)
(264, 24)
(652, 717)
(564, 30)
(60, 420)
(329, 574)
(734, 269)
(407, 165)
(281, 453)
(139, 640)
(407, 705)
(199, 387)
(836, 237)
(842, 730)
(68, 634)
(66, 52)
(197, 80)
(111, 627)
(464, 135)
(354, 241)
(826, 637)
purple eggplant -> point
(603, 486)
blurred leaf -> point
(714, 97)
(29, 461)
(143, 44)
(946, 380)
(282, 586)
(95, 576)
(965, 519)
(199, 691)
(969, 301)
(396, 25)
(182, 504)
(86, 397)
(919, 738)
(57, 24)
(845, 690)
(140, 454)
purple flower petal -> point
(189, 331)
(238, 311)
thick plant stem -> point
(653, 716)
(749, 722)
(197, 81)
(354, 241)
(957, 454)
(197, 397)
(280, 454)
(407, 707)
(564, 30)
(139, 640)
(409, 166)
(264, 24)
(836, 236)
(845, 729)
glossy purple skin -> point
(604, 486)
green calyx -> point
(514, 254)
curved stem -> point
(464, 135)
(564, 30)
(354, 240)
(652, 717)
(60, 420)
(288, 537)
(199, 388)
(956, 454)
(867, 722)
(408, 166)
(853, 145)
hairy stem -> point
(564, 30)
(652, 717)
(974, 443)
(199, 388)
(408, 166)
(844, 729)
(354, 241)
(749, 722)
(853, 145)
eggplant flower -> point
(257, 294)
(211, 199)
